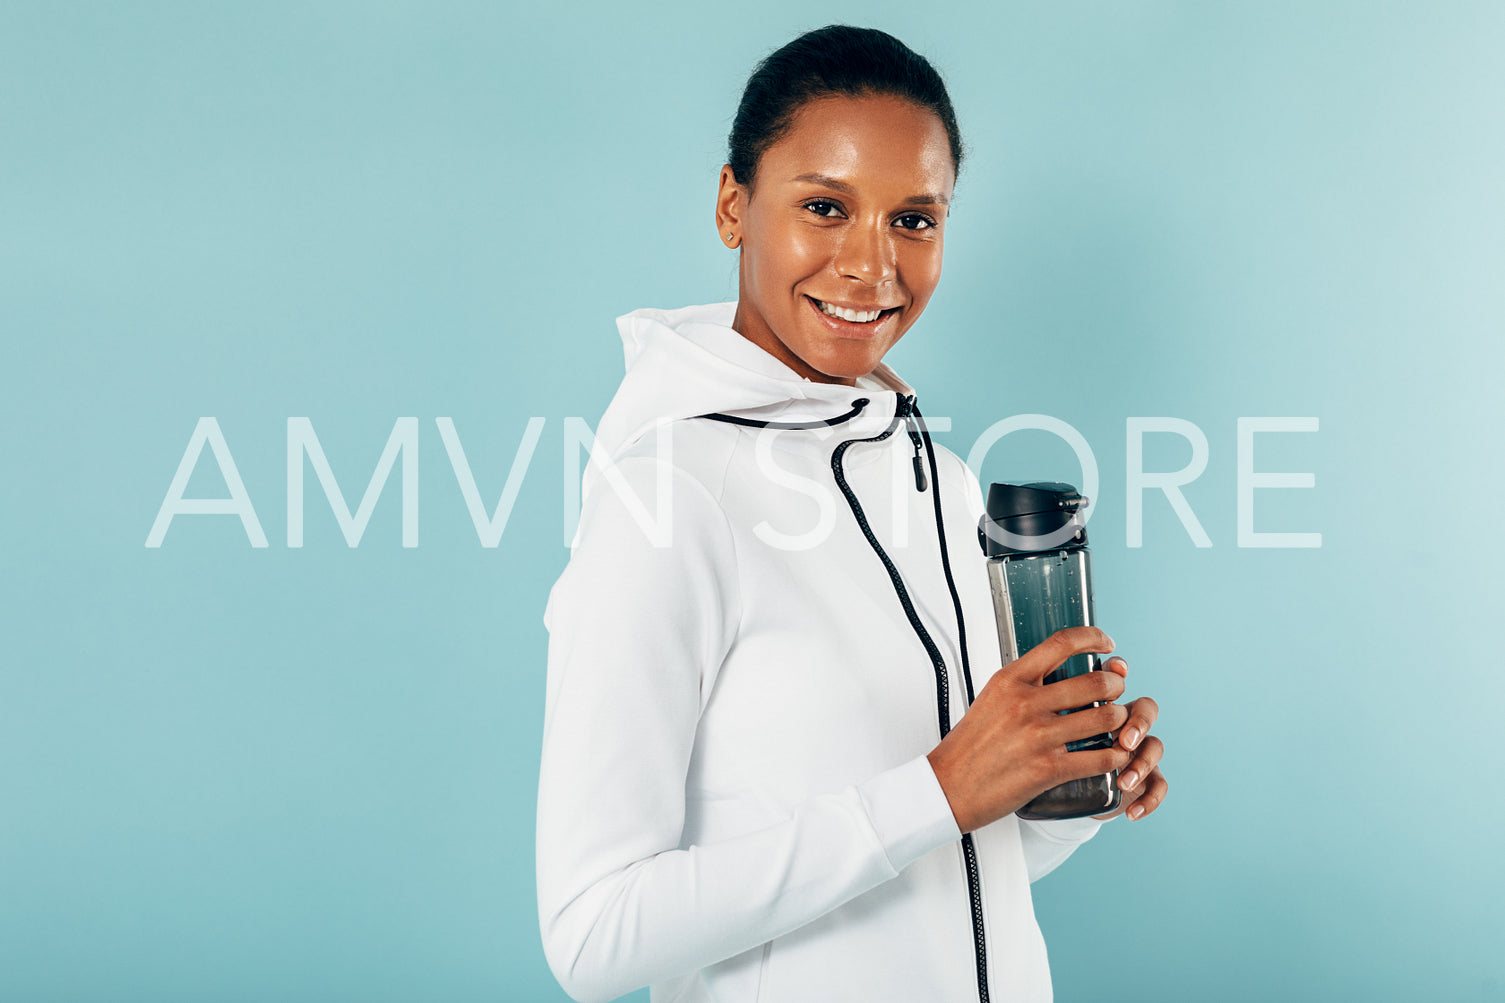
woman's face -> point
(847, 217)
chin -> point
(845, 367)
(854, 371)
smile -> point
(848, 314)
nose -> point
(867, 254)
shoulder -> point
(692, 452)
(663, 490)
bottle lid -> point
(1033, 517)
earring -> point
(728, 238)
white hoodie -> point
(735, 802)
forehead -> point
(883, 143)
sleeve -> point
(1046, 844)
(637, 633)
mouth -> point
(852, 321)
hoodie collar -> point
(690, 361)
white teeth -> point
(856, 316)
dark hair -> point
(837, 60)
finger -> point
(1078, 691)
(1155, 790)
(1127, 797)
(1087, 723)
(1044, 658)
(1142, 715)
(1144, 763)
(1090, 763)
(1116, 664)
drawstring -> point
(940, 529)
(857, 406)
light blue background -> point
(308, 774)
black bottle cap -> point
(1033, 517)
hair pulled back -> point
(837, 60)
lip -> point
(851, 329)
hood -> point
(690, 361)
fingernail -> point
(1131, 738)
(1129, 781)
(1136, 812)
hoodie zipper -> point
(969, 850)
(909, 414)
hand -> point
(1144, 786)
(1010, 746)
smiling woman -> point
(838, 262)
(769, 772)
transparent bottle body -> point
(1035, 595)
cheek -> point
(922, 270)
(801, 252)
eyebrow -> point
(928, 198)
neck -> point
(759, 334)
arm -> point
(637, 634)
(1047, 844)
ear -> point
(731, 204)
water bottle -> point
(1041, 572)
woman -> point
(764, 776)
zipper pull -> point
(919, 469)
(905, 404)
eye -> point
(915, 221)
(823, 207)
